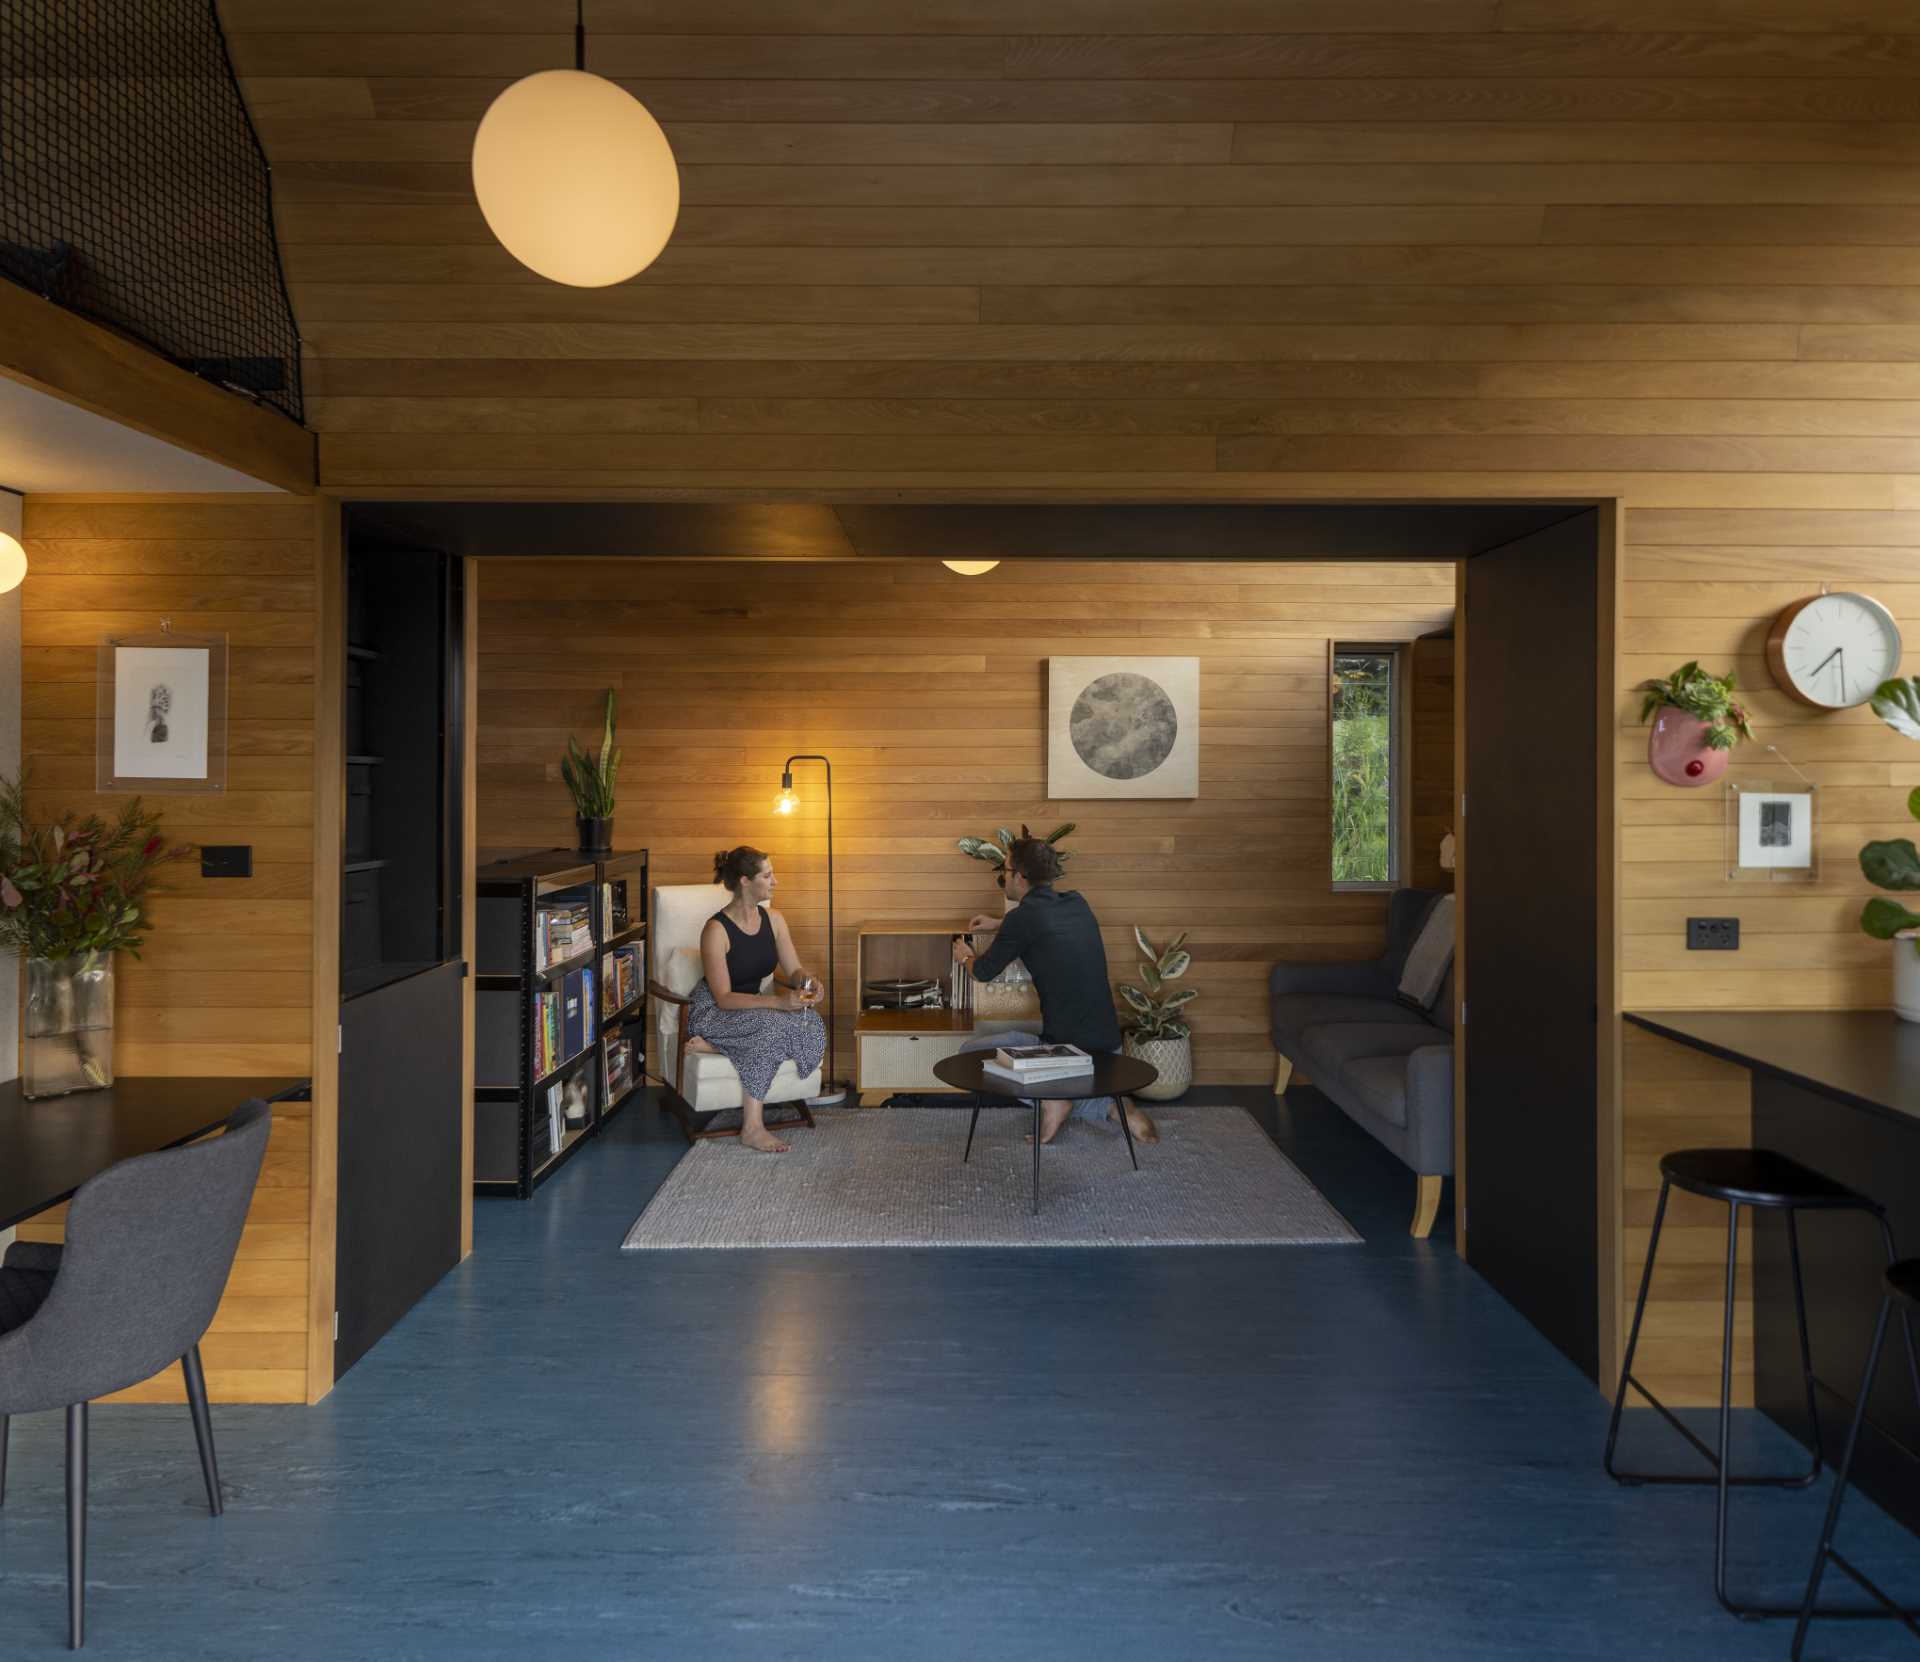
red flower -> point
(152, 844)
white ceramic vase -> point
(1174, 1060)
(1906, 976)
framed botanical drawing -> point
(161, 713)
(1120, 727)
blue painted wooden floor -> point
(1319, 1453)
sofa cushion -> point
(1294, 1013)
(1334, 1044)
(1380, 1082)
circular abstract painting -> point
(1123, 726)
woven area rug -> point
(893, 1177)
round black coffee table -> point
(1114, 1076)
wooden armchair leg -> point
(1426, 1205)
(1282, 1076)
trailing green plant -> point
(591, 780)
(1156, 1006)
(993, 850)
(74, 887)
(1894, 864)
(1709, 697)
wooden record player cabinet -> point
(895, 1050)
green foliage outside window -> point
(1362, 767)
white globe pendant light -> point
(13, 563)
(575, 177)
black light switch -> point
(226, 859)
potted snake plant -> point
(1156, 1032)
(590, 779)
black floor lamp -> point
(831, 1090)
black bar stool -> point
(1754, 1177)
(1903, 1283)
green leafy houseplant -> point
(1156, 1006)
(993, 850)
(1708, 697)
(591, 780)
(74, 888)
(1894, 864)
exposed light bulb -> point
(575, 178)
(970, 568)
(786, 801)
(13, 563)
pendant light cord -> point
(579, 34)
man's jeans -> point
(1094, 1108)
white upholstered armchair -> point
(700, 1084)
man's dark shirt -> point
(1058, 938)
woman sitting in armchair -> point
(742, 944)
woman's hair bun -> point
(733, 866)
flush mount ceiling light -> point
(574, 176)
(970, 568)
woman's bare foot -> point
(760, 1138)
(701, 1045)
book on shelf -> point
(1037, 1076)
(563, 1021)
(618, 1071)
(619, 977)
(1042, 1058)
(614, 913)
(555, 1114)
(561, 932)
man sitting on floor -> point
(1058, 938)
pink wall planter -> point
(1677, 749)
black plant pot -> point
(596, 835)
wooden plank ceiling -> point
(1237, 247)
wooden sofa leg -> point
(1282, 1076)
(1426, 1204)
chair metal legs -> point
(76, 1525)
(1826, 1550)
(202, 1426)
(1720, 1459)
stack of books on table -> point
(1036, 1064)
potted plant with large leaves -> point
(1696, 723)
(1156, 1032)
(591, 781)
(1894, 864)
(71, 896)
(992, 851)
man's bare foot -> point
(763, 1140)
(1053, 1114)
(1139, 1122)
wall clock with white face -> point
(1832, 650)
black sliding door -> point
(1532, 836)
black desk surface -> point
(48, 1148)
(1867, 1058)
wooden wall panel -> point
(928, 690)
(1321, 251)
(1430, 759)
(225, 984)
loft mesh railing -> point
(134, 191)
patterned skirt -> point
(756, 1042)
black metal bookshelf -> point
(517, 1144)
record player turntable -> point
(899, 994)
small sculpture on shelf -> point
(71, 896)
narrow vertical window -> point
(1367, 766)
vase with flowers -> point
(71, 894)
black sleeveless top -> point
(750, 958)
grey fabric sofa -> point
(1388, 1067)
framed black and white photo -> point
(161, 713)
(1770, 831)
(1119, 727)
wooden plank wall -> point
(1189, 249)
(928, 690)
(1430, 792)
(1707, 585)
(224, 986)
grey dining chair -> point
(150, 1243)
